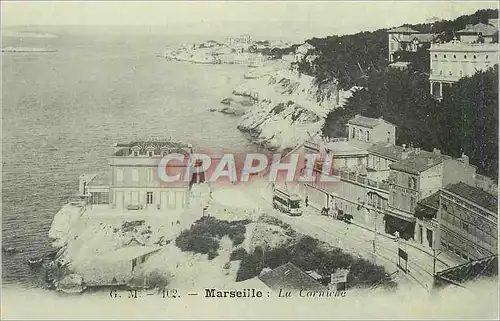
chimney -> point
(436, 151)
(404, 148)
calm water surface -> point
(63, 111)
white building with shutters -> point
(134, 183)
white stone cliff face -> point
(63, 223)
(287, 106)
(82, 237)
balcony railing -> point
(351, 176)
(337, 139)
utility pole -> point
(435, 259)
(434, 263)
(375, 233)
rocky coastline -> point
(283, 107)
(279, 107)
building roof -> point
(344, 148)
(290, 277)
(480, 28)
(428, 207)
(432, 200)
(475, 195)
(143, 146)
(386, 150)
(99, 180)
(128, 253)
(417, 163)
(457, 46)
(367, 121)
(400, 64)
(402, 30)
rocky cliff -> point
(286, 106)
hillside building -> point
(475, 50)
(371, 130)
(468, 218)
(418, 175)
(406, 39)
(454, 60)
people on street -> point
(307, 201)
(396, 236)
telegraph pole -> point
(435, 259)
(434, 264)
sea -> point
(63, 111)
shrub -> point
(235, 230)
(191, 241)
(212, 255)
(130, 226)
(157, 280)
(238, 254)
(308, 253)
(250, 266)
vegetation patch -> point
(131, 226)
(198, 243)
(238, 254)
(308, 254)
(204, 235)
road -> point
(355, 240)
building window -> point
(465, 56)
(444, 56)
(150, 153)
(455, 56)
(136, 153)
(445, 207)
(412, 182)
(440, 72)
(119, 175)
(367, 136)
(465, 226)
(149, 198)
(486, 56)
(461, 73)
(435, 56)
(474, 57)
(451, 74)
(353, 133)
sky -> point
(306, 18)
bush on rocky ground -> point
(193, 241)
(131, 226)
(308, 254)
(238, 254)
(235, 230)
(287, 228)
